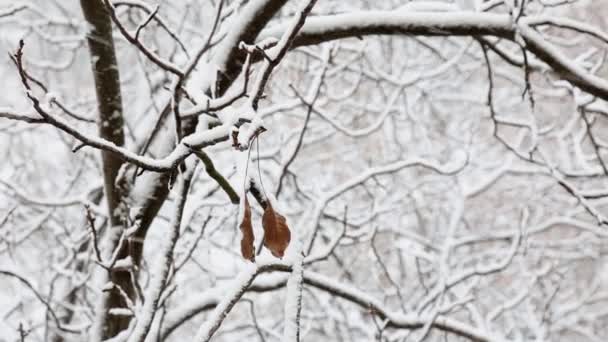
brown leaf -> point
(247, 249)
(276, 232)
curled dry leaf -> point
(276, 232)
(247, 249)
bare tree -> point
(303, 170)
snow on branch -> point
(168, 163)
(235, 291)
(450, 168)
(222, 301)
(163, 265)
(293, 302)
(134, 40)
(394, 319)
(357, 24)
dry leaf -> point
(247, 249)
(276, 232)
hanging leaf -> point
(247, 249)
(276, 232)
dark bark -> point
(234, 60)
(111, 127)
(107, 83)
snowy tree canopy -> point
(261, 170)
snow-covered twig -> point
(238, 287)
(356, 24)
(145, 316)
(293, 302)
(134, 39)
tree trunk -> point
(111, 122)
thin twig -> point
(91, 220)
(217, 176)
(25, 282)
(145, 23)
